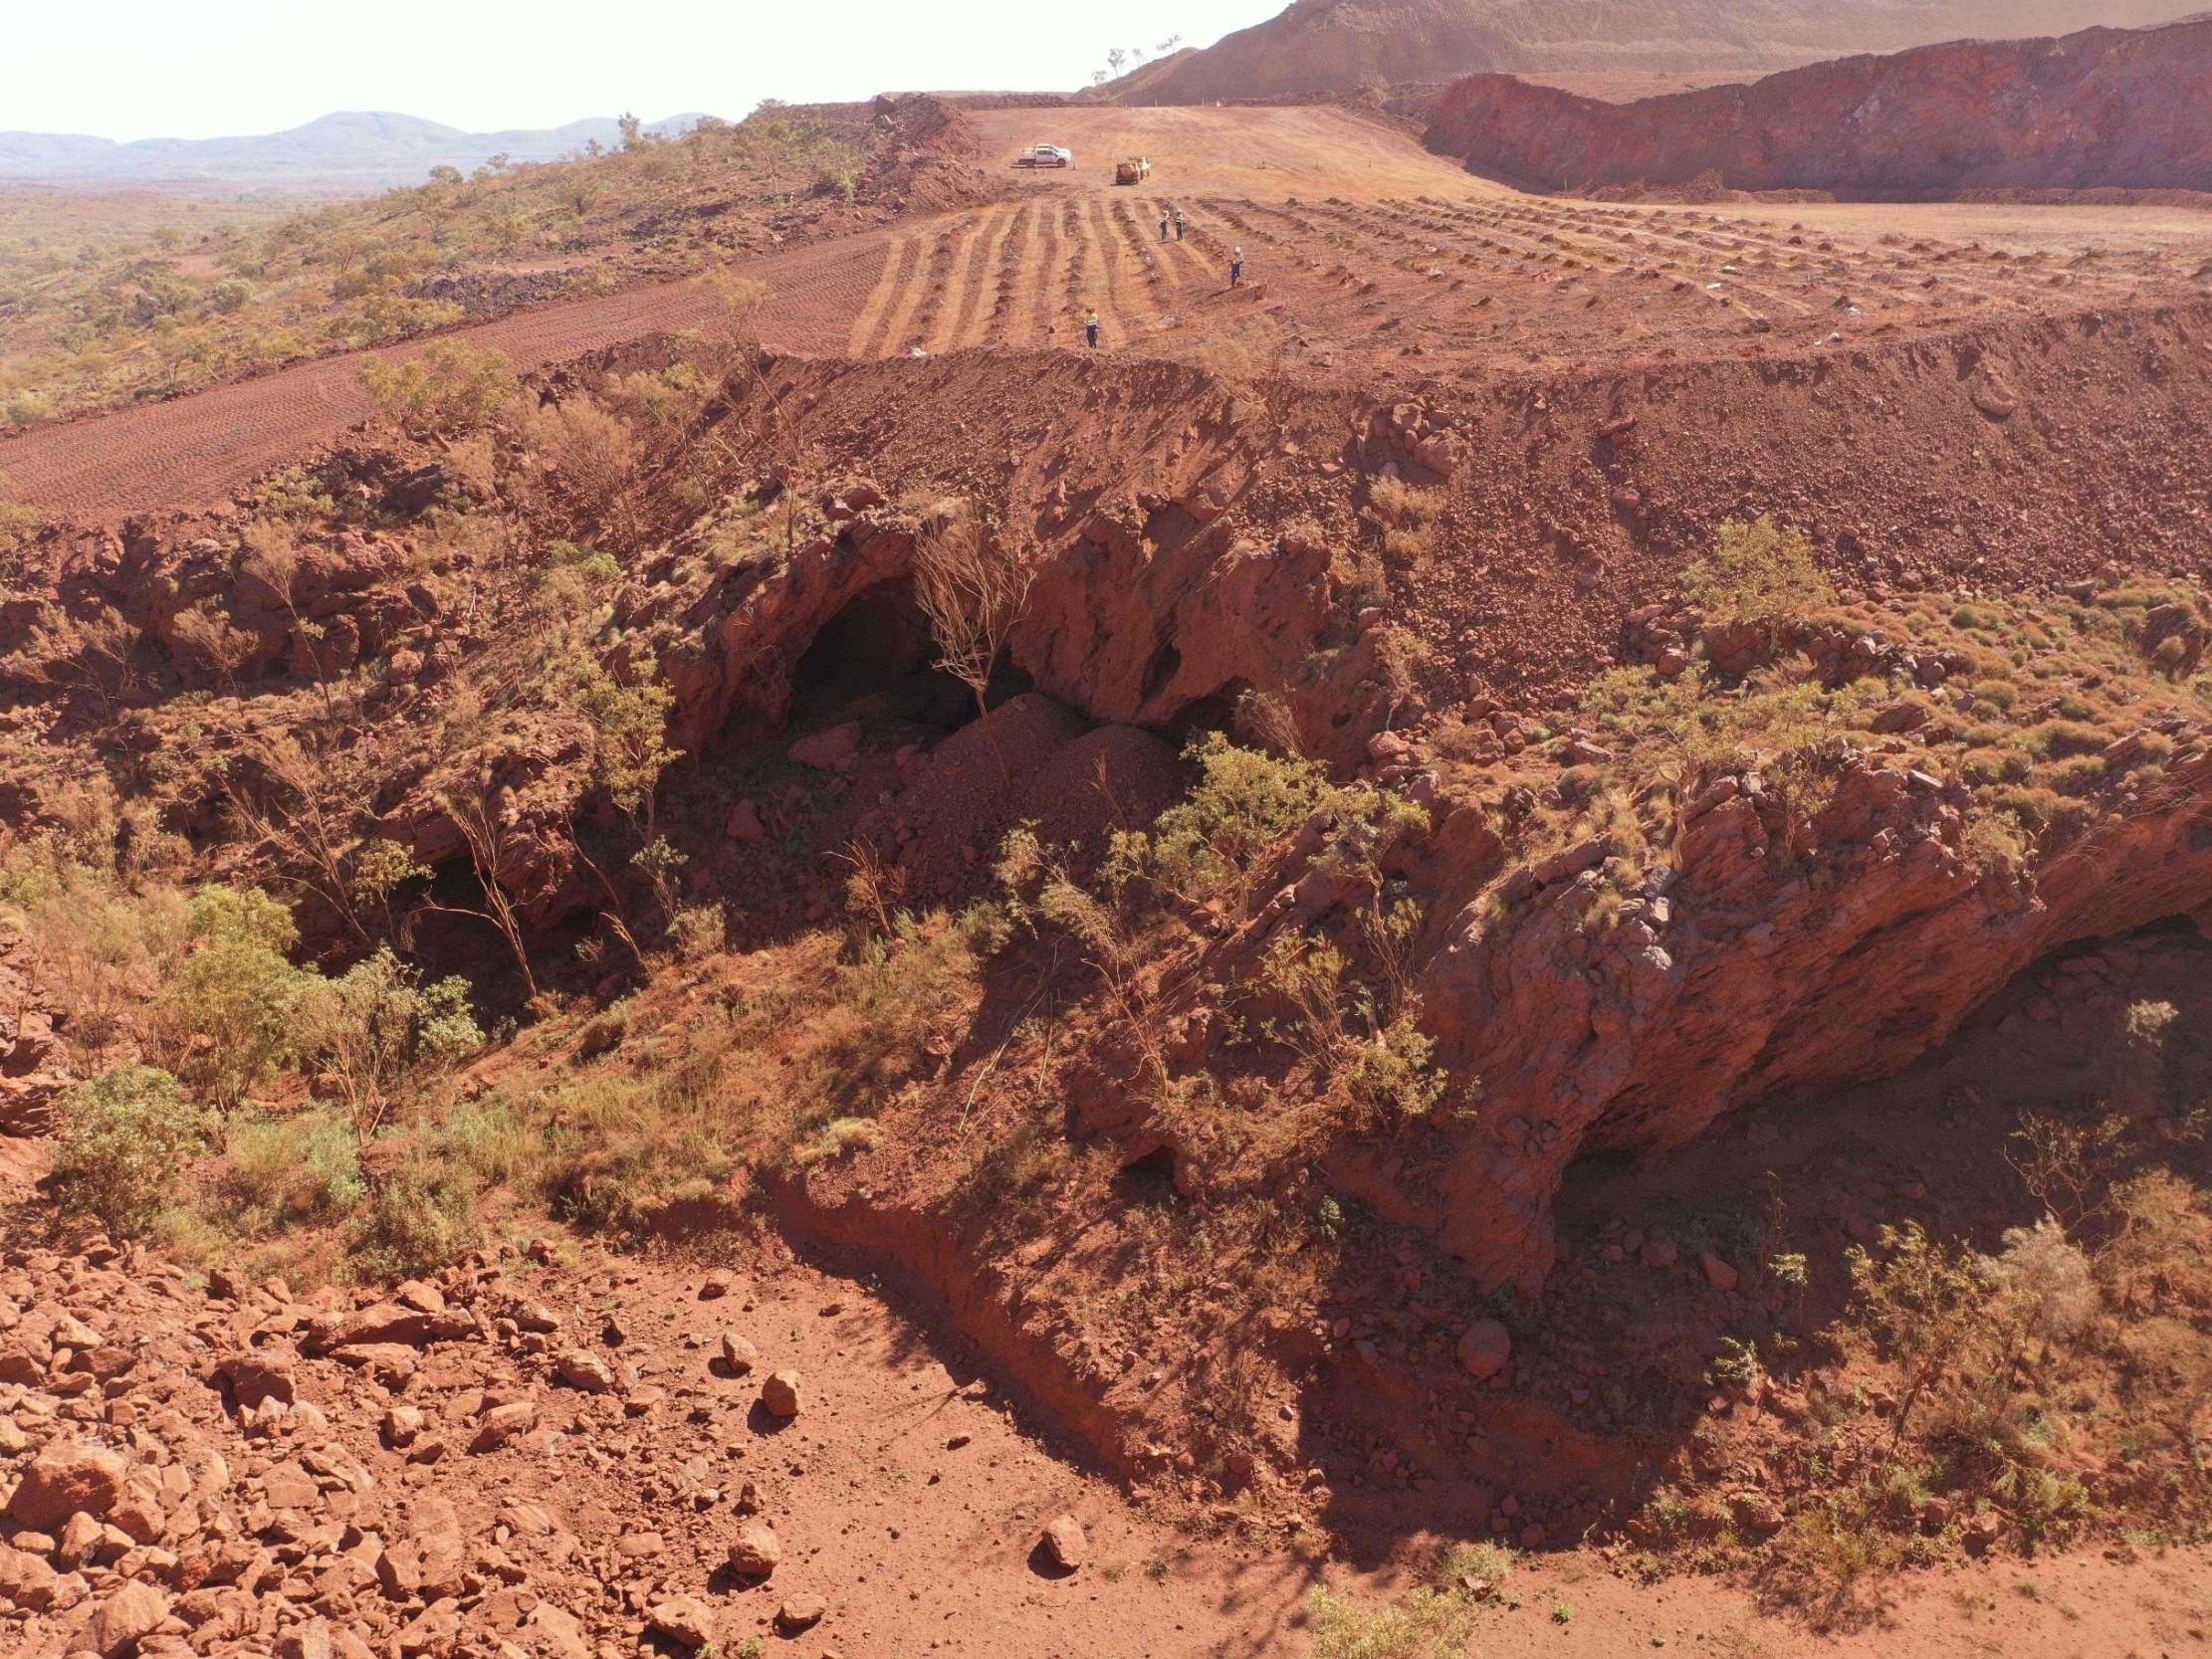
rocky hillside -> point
(2106, 107)
(1319, 45)
(358, 149)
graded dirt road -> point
(189, 451)
(1366, 259)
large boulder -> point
(1486, 1348)
(129, 1615)
(66, 1477)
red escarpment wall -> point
(2103, 109)
(1317, 46)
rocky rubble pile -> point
(32, 1073)
(242, 1471)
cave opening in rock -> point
(877, 657)
(1148, 1179)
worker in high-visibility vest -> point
(1090, 329)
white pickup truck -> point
(1045, 155)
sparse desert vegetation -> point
(107, 304)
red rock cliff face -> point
(1731, 982)
(1318, 45)
(2105, 107)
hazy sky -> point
(196, 69)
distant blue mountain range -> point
(362, 148)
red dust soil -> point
(908, 1493)
(1365, 259)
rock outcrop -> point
(2103, 109)
(1730, 975)
(1747, 928)
(1335, 46)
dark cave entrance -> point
(878, 651)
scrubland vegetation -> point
(339, 1108)
(2025, 1395)
(102, 315)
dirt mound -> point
(1337, 45)
(926, 165)
(2101, 110)
(1031, 760)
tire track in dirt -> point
(978, 257)
(1147, 279)
(908, 293)
(932, 290)
(1077, 283)
(1120, 323)
(1013, 256)
(1182, 263)
(869, 328)
(1052, 255)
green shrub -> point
(839, 1138)
(2075, 775)
(420, 1218)
(1483, 1559)
(376, 1028)
(2058, 738)
(1242, 805)
(127, 1137)
(1426, 1625)
(493, 1141)
(1756, 573)
(285, 1171)
(449, 390)
(1694, 713)
(1392, 1073)
(228, 1014)
(601, 568)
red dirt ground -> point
(906, 1494)
(1367, 259)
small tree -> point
(98, 654)
(377, 1026)
(298, 807)
(475, 814)
(743, 367)
(974, 588)
(1757, 572)
(1919, 1299)
(450, 390)
(208, 635)
(228, 1013)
